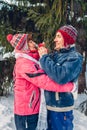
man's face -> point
(59, 41)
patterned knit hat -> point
(18, 41)
(69, 34)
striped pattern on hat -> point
(18, 41)
(70, 30)
(69, 34)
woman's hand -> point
(42, 51)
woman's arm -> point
(41, 80)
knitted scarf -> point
(42, 121)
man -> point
(63, 65)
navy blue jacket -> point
(62, 66)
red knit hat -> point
(69, 34)
(18, 41)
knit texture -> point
(18, 41)
(69, 34)
(42, 121)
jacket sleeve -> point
(41, 80)
(66, 72)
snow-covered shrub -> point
(6, 77)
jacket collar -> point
(71, 48)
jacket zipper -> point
(37, 101)
(32, 99)
(57, 96)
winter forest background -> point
(43, 18)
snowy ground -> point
(6, 113)
(7, 118)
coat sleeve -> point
(66, 72)
(41, 80)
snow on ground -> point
(6, 113)
(7, 117)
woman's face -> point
(59, 41)
(32, 45)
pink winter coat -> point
(26, 94)
(26, 90)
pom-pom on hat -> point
(69, 34)
(9, 37)
(18, 41)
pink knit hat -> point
(18, 41)
(69, 34)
